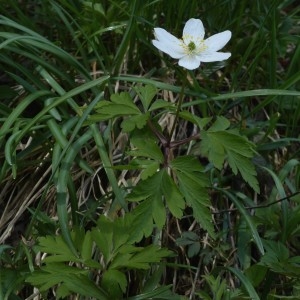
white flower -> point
(192, 49)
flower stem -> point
(181, 96)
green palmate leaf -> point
(200, 122)
(87, 246)
(173, 197)
(196, 197)
(193, 185)
(240, 163)
(52, 274)
(189, 164)
(150, 254)
(217, 285)
(107, 110)
(148, 167)
(153, 190)
(146, 94)
(138, 121)
(158, 209)
(123, 98)
(158, 104)
(74, 279)
(146, 188)
(82, 285)
(146, 145)
(120, 105)
(139, 258)
(219, 144)
(60, 251)
(275, 252)
(114, 283)
(143, 219)
(256, 274)
(149, 191)
(220, 124)
(57, 246)
(110, 236)
(62, 292)
(159, 292)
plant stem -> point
(179, 105)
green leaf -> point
(160, 293)
(132, 122)
(146, 188)
(256, 274)
(150, 254)
(220, 124)
(87, 246)
(120, 105)
(193, 186)
(275, 252)
(240, 163)
(110, 236)
(189, 164)
(146, 145)
(245, 281)
(123, 98)
(146, 94)
(108, 110)
(114, 283)
(148, 167)
(219, 144)
(153, 190)
(149, 191)
(200, 122)
(173, 197)
(159, 103)
(140, 258)
(54, 273)
(62, 291)
(247, 217)
(143, 220)
(82, 285)
(197, 198)
(57, 246)
(217, 285)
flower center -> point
(191, 46)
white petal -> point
(189, 62)
(168, 43)
(213, 56)
(218, 41)
(193, 28)
(175, 51)
(162, 34)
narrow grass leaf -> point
(247, 218)
(247, 284)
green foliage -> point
(152, 191)
(219, 289)
(122, 105)
(219, 142)
(191, 240)
(277, 258)
(115, 243)
(193, 185)
(70, 280)
(128, 156)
